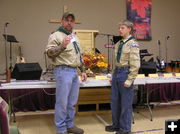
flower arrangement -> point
(95, 62)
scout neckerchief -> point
(61, 29)
(120, 48)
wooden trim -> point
(93, 112)
(93, 102)
(59, 21)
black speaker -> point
(27, 71)
(147, 68)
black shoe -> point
(111, 128)
(75, 130)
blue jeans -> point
(67, 91)
(121, 101)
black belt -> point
(121, 67)
(66, 66)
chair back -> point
(4, 124)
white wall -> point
(29, 23)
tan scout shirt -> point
(66, 57)
(129, 57)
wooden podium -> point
(87, 39)
(93, 100)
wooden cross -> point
(65, 9)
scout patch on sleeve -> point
(133, 45)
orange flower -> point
(95, 61)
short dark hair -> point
(67, 14)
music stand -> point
(11, 39)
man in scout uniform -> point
(65, 53)
(127, 62)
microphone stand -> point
(108, 37)
(159, 44)
(112, 54)
(108, 41)
(166, 43)
(8, 72)
(45, 60)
